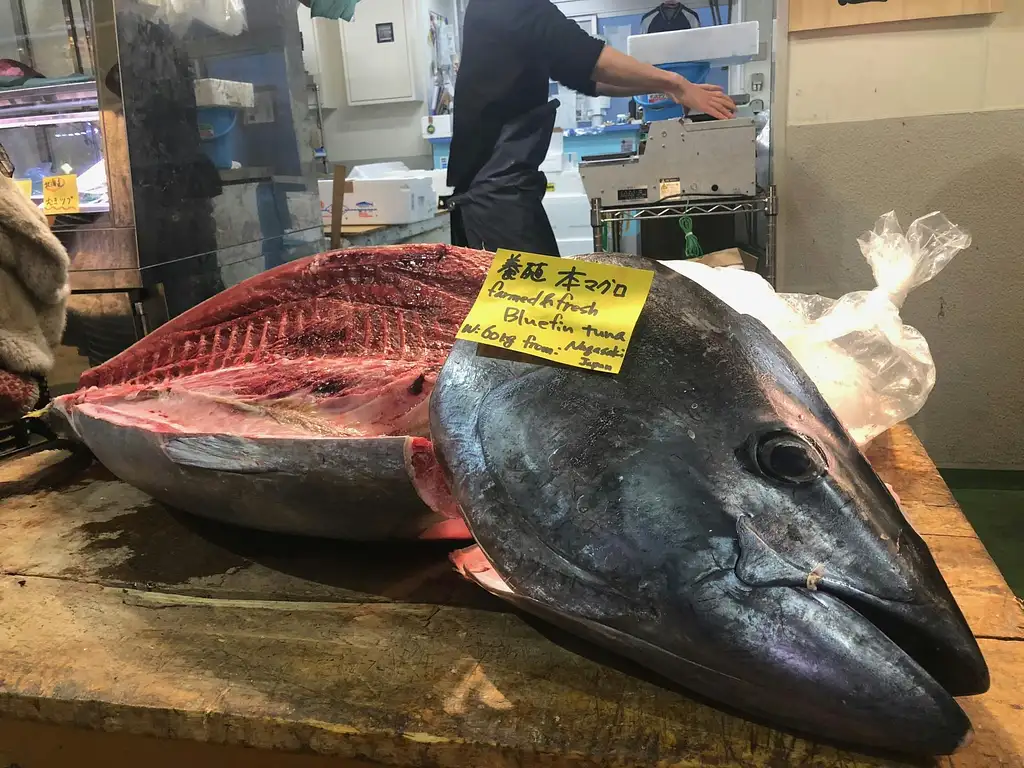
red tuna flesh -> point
(295, 401)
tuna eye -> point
(788, 458)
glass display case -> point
(42, 143)
(187, 126)
(49, 106)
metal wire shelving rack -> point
(765, 201)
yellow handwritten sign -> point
(25, 185)
(573, 312)
(60, 195)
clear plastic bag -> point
(872, 369)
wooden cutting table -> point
(119, 616)
(434, 230)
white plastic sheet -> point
(872, 369)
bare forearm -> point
(622, 75)
(615, 91)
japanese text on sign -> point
(575, 312)
(60, 195)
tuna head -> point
(705, 514)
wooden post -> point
(338, 205)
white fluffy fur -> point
(34, 285)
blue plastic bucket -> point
(661, 107)
(221, 142)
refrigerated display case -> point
(187, 126)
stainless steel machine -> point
(677, 158)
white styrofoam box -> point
(569, 215)
(442, 125)
(211, 92)
(553, 163)
(378, 170)
(565, 182)
(554, 160)
(574, 246)
(370, 202)
(438, 178)
(721, 46)
(557, 144)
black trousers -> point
(505, 217)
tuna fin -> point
(761, 566)
(57, 418)
(223, 454)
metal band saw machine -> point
(685, 156)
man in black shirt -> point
(503, 118)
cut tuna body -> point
(295, 401)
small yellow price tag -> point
(25, 185)
(573, 312)
(60, 195)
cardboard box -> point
(730, 257)
(374, 202)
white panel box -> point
(377, 46)
(437, 127)
(721, 46)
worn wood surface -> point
(27, 744)
(397, 232)
(807, 15)
(119, 615)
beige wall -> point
(910, 69)
(916, 117)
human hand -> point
(706, 98)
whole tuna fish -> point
(705, 514)
(295, 401)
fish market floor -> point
(993, 502)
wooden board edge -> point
(885, 15)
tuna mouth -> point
(792, 657)
(928, 626)
(931, 634)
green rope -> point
(691, 248)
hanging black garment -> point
(670, 18)
(503, 207)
